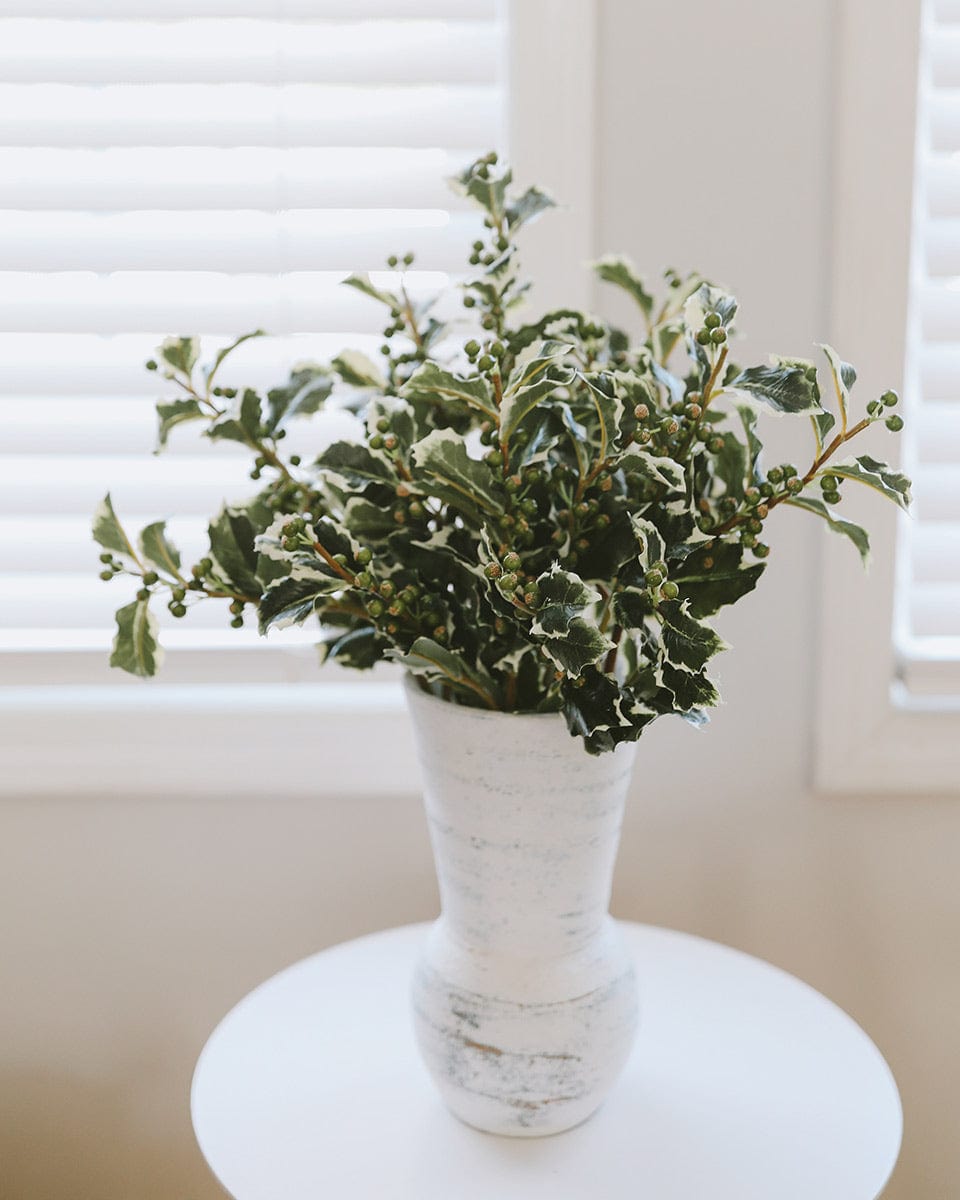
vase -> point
(524, 998)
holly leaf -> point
(714, 576)
(431, 383)
(292, 600)
(686, 641)
(563, 596)
(356, 465)
(243, 424)
(157, 549)
(360, 648)
(368, 522)
(581, 645)
(435, 662)
(232, 538)
(135, 646)
(856, 533)
(441, 462)
(691, 690)
(172, 413)
(527, 207)
(489, 192)
(307, 389)
(108, 531)
(620, 272)
(357, 370)
(180, 354)
(609, 411)
(788, 385)
(361, 283)
(877, 475)
(844, 377)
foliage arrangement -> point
(537, 517)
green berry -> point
(493, 458)
(364, 556)
(376, 442)
(775, 475)
(106, 558)
(831, 497)
(894, 423)
(105, 575)
(718, 336)
(493, 570)
(469, 301)
(653, 577)
(151, 364)
(760, 550)
(511, 561)
(363, 579)
(150, 578)
(485, 362)
(889, 399)
(789, 470)
(670, 591)
(416, 510)
(712, 320)
(794, 486)
(237, 622)
(641, 412)
(383, 424)
(829, 483)
(513, 483)
(178, 593)
(178, 610)
(375, 608)
(408, 258)
(752, 496)
(508, 582)
(392, 260)
(390, 442)
(472, 349)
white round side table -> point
(745, 1084)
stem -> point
(822, 458)
(610, 662)
(410, 318)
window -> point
(888, 716)
(928, 586)
(216, 167)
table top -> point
(745, 1084)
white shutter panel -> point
(928, 600)
(217, 170)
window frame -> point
(345, 736)
(870, 739)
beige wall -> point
(128, 927)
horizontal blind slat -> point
(248, 51)
(240, 177)
(171, 114)
(76, 364)
(233, 240)
(205, 302)
(319, 10)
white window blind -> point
(928, 599)
(212, 168)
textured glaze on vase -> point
(525, 1001)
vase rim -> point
(485, 714)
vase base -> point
(525, 1068)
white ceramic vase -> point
(525, 1001)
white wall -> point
(128, 928)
